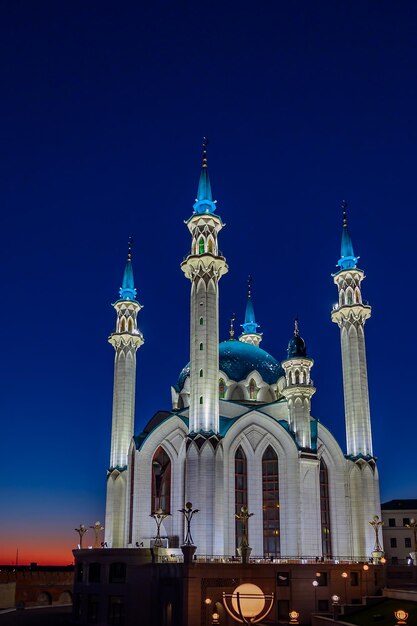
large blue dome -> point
(238, 359)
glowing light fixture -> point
(249, 604)
(401, 616)
(294, 615)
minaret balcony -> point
(122, 340)
(206, 263)
(350, 313)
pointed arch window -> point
(222, 388)
(201, 321)
(201, 373)
(201, 399)
(130, 325)
(123, 325)
(241, 489)
(201, 346)
(326, 536)
(201, 246)
(161, 481)
(210, 246)
(349, 297)
(252, 389)
(270, 503)
(357, 296)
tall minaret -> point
(299, 388)
(204, 267)
(250, 327)
(126, 339)
(350, 314)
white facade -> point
(241, 431)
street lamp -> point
(294, 615)
(344, 576)
(365, 569)
(215, 619)
(315, 584)
(413, 526)
(159, 517)
(376, 524)
(249, 604)
(81, 532)
(335, 601)
(97, 530)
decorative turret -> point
(350, 314)
(250, 327)
(298, 388)
(126, 339)
(204, 266)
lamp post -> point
(315, 584)
(413, 526)
(159, 517)
(365, 569)
(188, 548)
(81, 532)
(376, 524)
(335, 604)
(244, 549)
(344, 576)
(97, 530)
(248, 603)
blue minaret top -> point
(347, 259)
(250, 325)
(204, 202)
(127, 290)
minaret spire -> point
(350, 314)
(204, 202)
(127, 290)
(250, 327)
(347, 257)
(126, 340)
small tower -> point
(204, 266)
(250, 327)
(350, 314)
(126, 339)
(299, 388)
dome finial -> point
(249, 285)
(296, 331)
(129, 247)
(205, 144)
(344, 205)
(232, 328)
(127, 290)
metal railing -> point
(271, 560)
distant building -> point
(398, 539)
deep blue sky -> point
(103, 106)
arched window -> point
(201, 346)
(123, 325)
(201, 373)
(357, 296)
(297, 377)
(201, 399)
(241, 489)
(161, 481)
(222, 388)
(201, 321)
(130, 325)
(210, 246)
(326, 537)
(349, 297)
(270, 503)
(201, 246)
(252, 389)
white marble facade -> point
(240, 429)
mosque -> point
(240, 430)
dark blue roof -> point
(238, 359)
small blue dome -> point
(238, 359)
